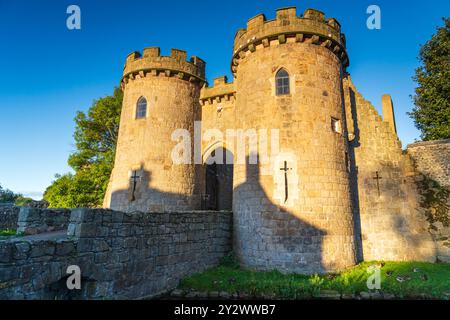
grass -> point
(230, 278)
(7, 233)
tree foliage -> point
(7, 195)
(431, 112)
(95, 141)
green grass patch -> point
(7, 233)
(429, 281)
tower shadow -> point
(268, 236)
(354, 193)
(139, 196)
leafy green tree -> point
(58, 194)
(431, 112)
(96, 132)
(95, 141)
(7, 195)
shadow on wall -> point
(354, 193)
(140, 197)
(268, 236)
(214, 193)
(388, 222)
(58, 290)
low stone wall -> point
(8, 216)
(432, 159)
(30, 267)
(432, 163)
(34, 221)
(121, 255)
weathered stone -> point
(329, 294)
(100, 245)
(365, 295)
(8, 216)
(191, 295)
(177, 293)
(64, 248)
(347, 296)
(33, 221)
(388, 296)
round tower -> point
(161, 95)
(293, 212)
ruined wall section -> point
(386, 197)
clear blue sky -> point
(49, 72)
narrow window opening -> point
(141, 108)
(282, 82)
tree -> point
(95, 141)
(96, 132)
(59, 194)
(431, 112)
(7, 195)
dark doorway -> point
(219, 181)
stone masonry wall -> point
(312, 230)
(121, 255)
(8, 216)
(432, 159)
(145, 145)
(35, 221)
(385, 194)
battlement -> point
(311, 27)
(220, 90)
(151, 62)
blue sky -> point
(50, 72)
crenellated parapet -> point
(312, 27)
(221, 90)
(150, 62)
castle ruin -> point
(346, 191)
(329, 188)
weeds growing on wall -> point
(435, 201)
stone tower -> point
(294, 212)
(161, 95)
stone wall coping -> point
(428, 143)
(7, 205)
(158, 213)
